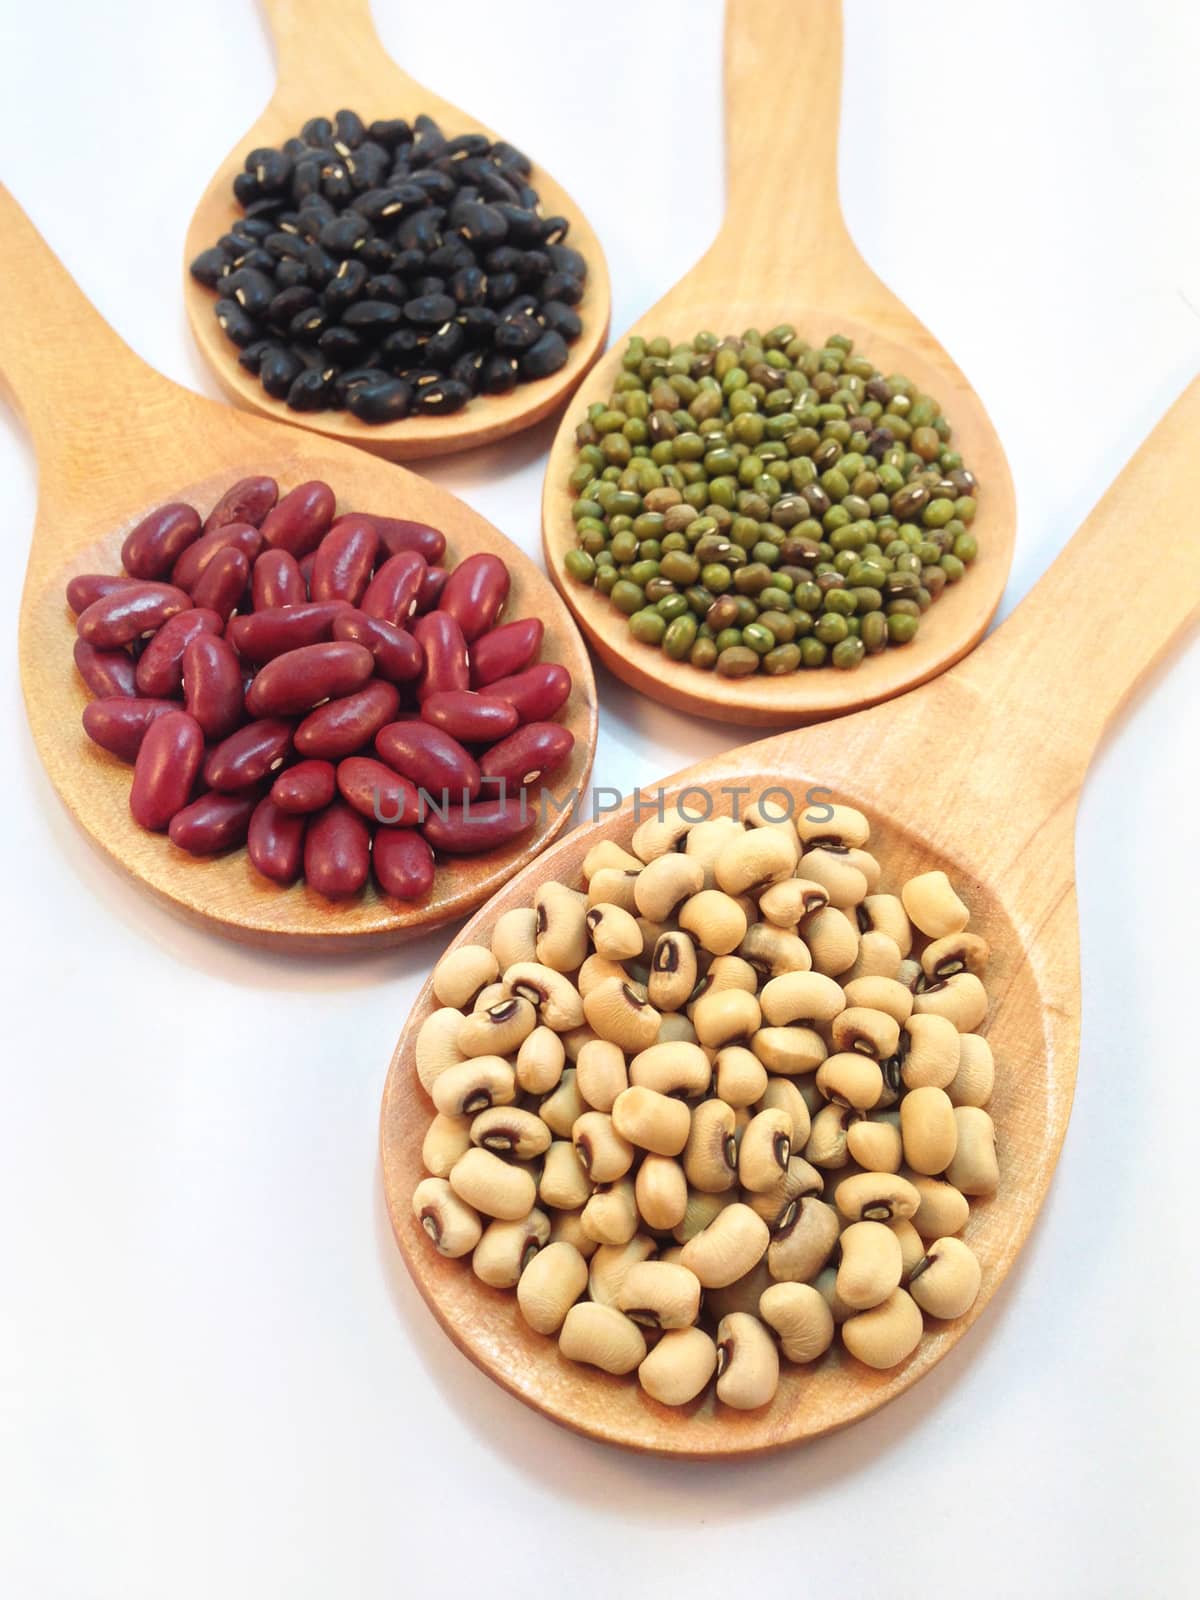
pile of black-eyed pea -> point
(723, 1103)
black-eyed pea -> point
(846, 826)
(932, 905)
(875, 1142)
(509, 1131)
(600, 1073)
(474, 1085)
(825, 1283)
(602, 1152)
(659, 836)
(514, 938)
(462, 973)
(910, 975)
(843, 882)
(492, 1186)
(614, 933)
(802, 1240)
(773, 951)
(931, 1057)
(764, 1150)
(673, 971)
(552, 1280)
(974, 1169)
(710, 1156)
(611, 1215)
(753, 860)
(789, 1052)
(850, 1079)
(610, 886)
(553, 996)
(679, 1367)
(885, 913)
(540, 1061)
(743, 1294)
(663, 886)
(600, 1336)
(928, 1130)
(451, 1222)
(676, 1068)
(706, 841)
(725, 1016)
(945, 1282)
(616, 1012)
(826, 1145)
(725, 973)
(798, 1179)
(741, 1078)
(563, 1185)
(658, 1294)
(887, 1334)
(651, 932)
(871, 1264)
(445, 1140)
(566, 1227)
(437, 1045)
(490, 995)
(671, 1254)
(957, 952)
(701, 1210)
(652, 1121)
(800, 1317)
(975, 1079)
(610, 1263)
(676, 1028)
(787, 903)
(661, 1191)
(732, 1243)
(608, 855)
(961, 999)
(715, 920)
(878, 957)
(498, 1031)
(783, 1094)
(507, 1248)
(876, 1197)
(912, 1246)
(562, 935)
(747, 1363)
(866, 1031)
(801, 999)
(575, 1040)
(563, 1107)
(943, 1209)
(880, 994)
(596, 970)
(867, 865)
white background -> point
(215, 1378)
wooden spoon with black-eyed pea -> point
(978, 773)
(330, 57)
(784, 255)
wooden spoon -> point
(784, 255)
(115, 439)
(331, 57)
(978, 773)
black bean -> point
(501, 287)
(450, 257)
(524, 227)
(376, 254)
(373, 318)
(255, 259)
(498, 374)
(386, 401)
(468, 144)
(517, 334)
(314, 214)
(429, 142)
(209, 266)
(401, 350)
(429, 311)
(562, 286)
(348, 131)
(440, 398)
(478, 323)
(345, 234)
(407, 263)
(251, 357)
(285, 244)
(311, 390)
(306, 177)
(252, 290)
(235, 324)
(265, 209)
(566, 259)
(554, 229)
(420, 231)
(387, 286)
(466, 370)
(307, 326)
(426, 283)
(289, 303)
(321, 265)
(468, 286)
(317, 131)
(518, 304)
(492, 186)
(246, 189)
(436, 185)
(368, 166)
(509, 156)
(255, 228)
(504, 258)
(341, 347)
(289, 273)
(562, 319)
(546, 356)
(533, 265)
(295, 148)
(381, 205)
(390, 132)
(280, 369)
(335, 182)
(479, 224)
(445, 346)
(527, 196)
(271, 169)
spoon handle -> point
(321, 47)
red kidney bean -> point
(300, 679)
(505, 650)
(106, 672)
(392, 592)
(469, 717)
(125, 614)
(535, 751)
(212, 685)
(263, 635)
(158, 541)
(166, 769)
(160, 668)
(431, 588)
(191, 564)
(308, 786)
(92, 586)
(430, 758)
(249, 755)
(479, 825)
(475, 592)
(213, 823)
(337, 851)
(223, 582)
(300, 520)
(441, 639)
(343, 560)
(306, 569)
(537, 693)
(248, 500)
(396, 534)
(377, 792)
(119, 724)
(345, 725)
(398, 656)
(276, 581)
(275, 842)
(402, 863)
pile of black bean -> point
(390, 270)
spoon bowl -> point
(977, 773)
(331, 57)
(101, 470)
(784, 254)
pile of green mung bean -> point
(760, 504)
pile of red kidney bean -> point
(319, 688)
